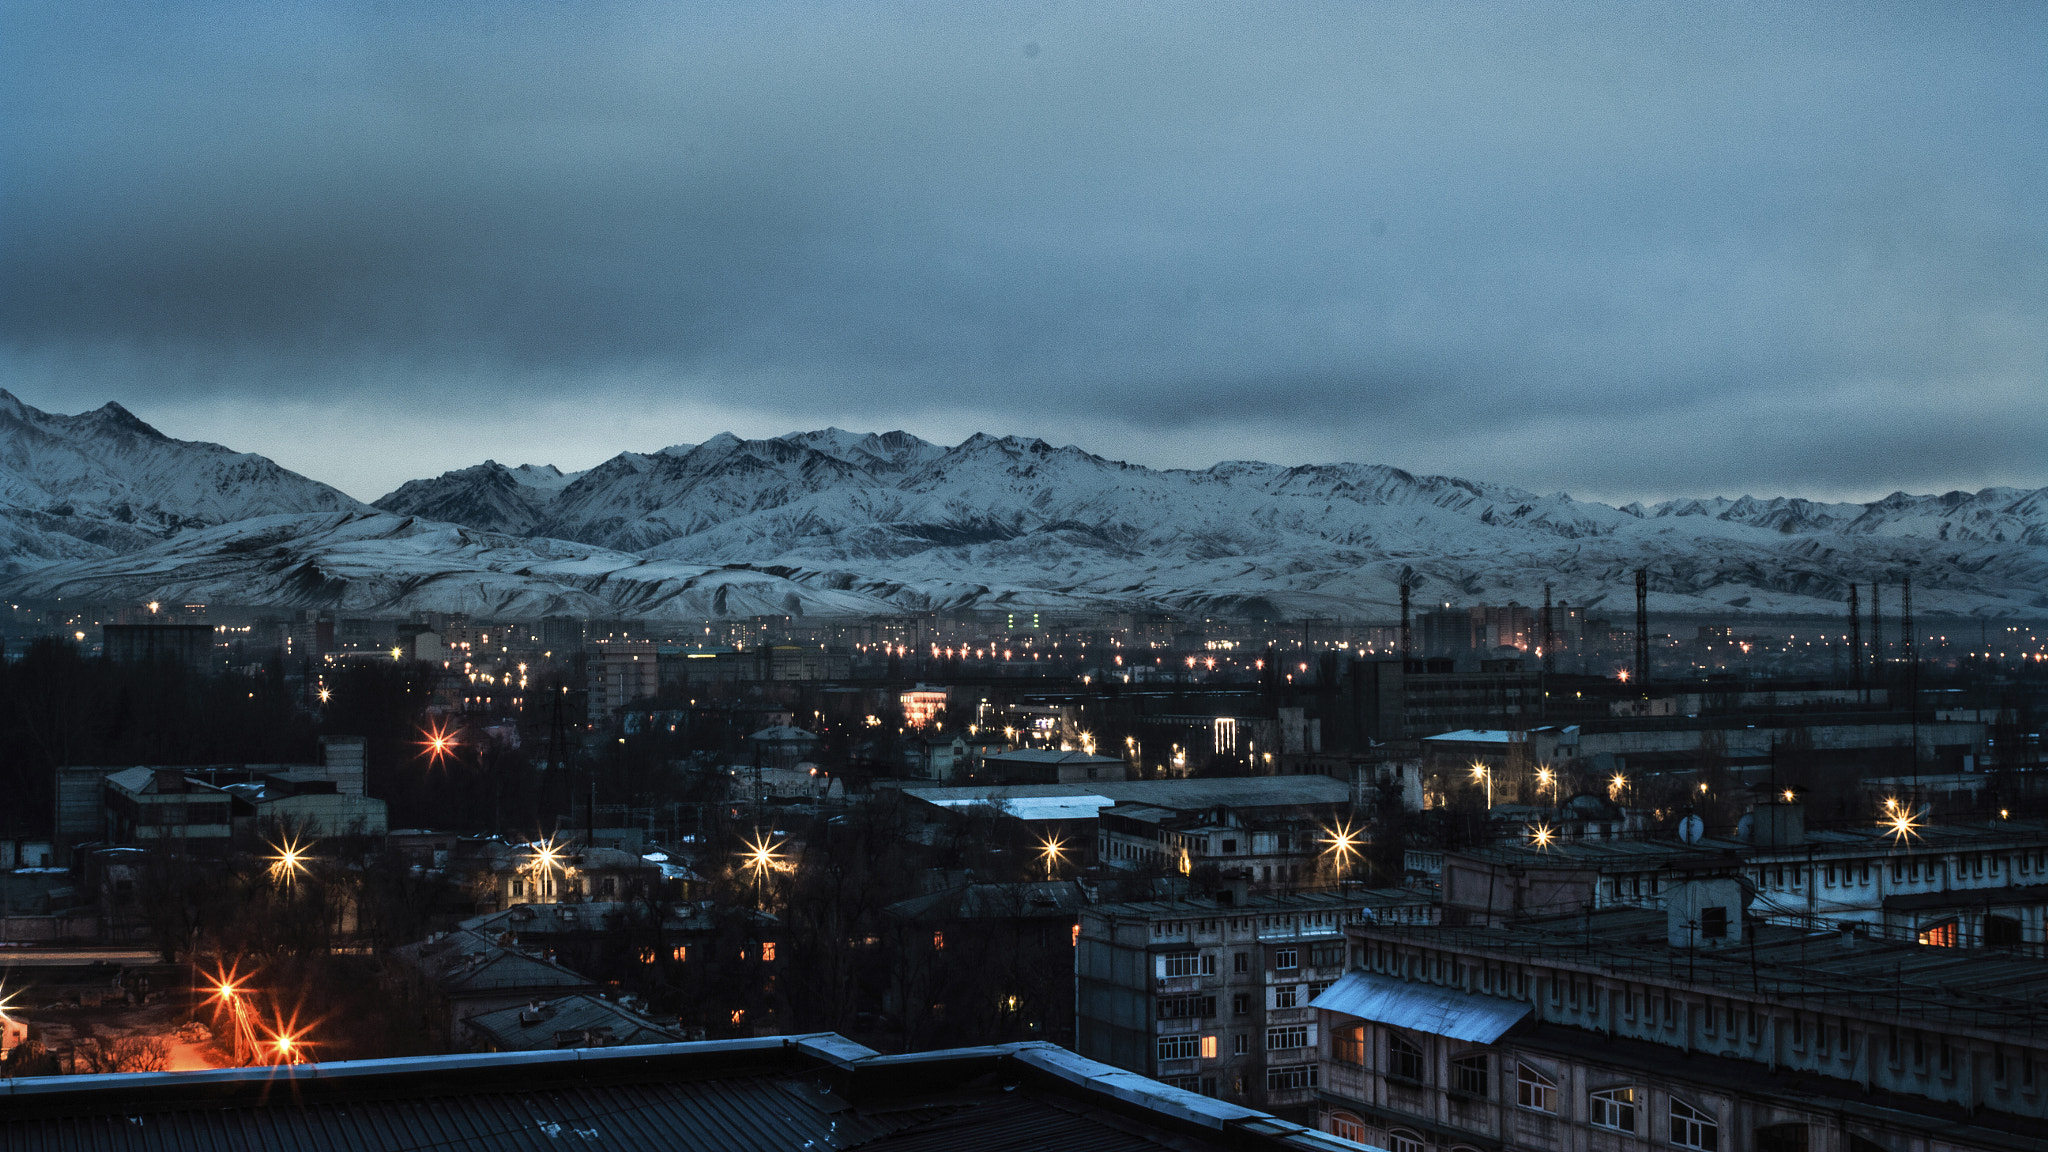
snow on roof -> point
(1476, 736)
(1036, 807)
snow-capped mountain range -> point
(100, 506)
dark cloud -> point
(1622, 250)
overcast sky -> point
(1619, 250)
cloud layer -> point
(1622, 250)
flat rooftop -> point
(1872, 839)
(1917, 986)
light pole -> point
(1479, 772)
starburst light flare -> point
(1541, 836)
(289, 863)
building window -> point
(1242, 961)
(1240, 1003)
(1693, 1127)
(1535, 1090)
(1177, 1047)
(1404, 1142)
(1290, 1077)
(1345, 1126)
(1347, 1046)
(1468, 1074)
(1187, 1007)
(1288, 1036)
(1287, 996)
(1174, 964)
(1615, 1108)
(1326, 955)
(1241, 1045)
(1942, 935)
(1208, 1053)
(1404, 1059)
(1286, 958)
(1714, 923)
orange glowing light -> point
(439, 744)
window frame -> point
(1532, 1082)
(1694, 1127)
(1614, 1108)
(1406, 1059)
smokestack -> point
(1407, 637)
(1642, 625)
(1855, 640)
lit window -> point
(681, 953)
(1615, 1108)
(1693, 1128)
(1208, 1047)
(1348, 1046)
(768, 950)
(1535, 1090)
(1345, 1126)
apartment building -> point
(1688, 1028)
(1212, 994)
(1959, 882)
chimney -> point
(1704, 913)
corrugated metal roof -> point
(1421, 1007)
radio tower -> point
(1642, 625)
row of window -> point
(1292, 922)
(1691, 1126)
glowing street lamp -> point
(1052, 850)
(1541, 836)
(761, 857)
(1341, 844)
(290, 862)
(1902, 825)
(1545, 778)
(439, 744)
(1479, 772)
(1615, 786)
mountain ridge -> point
(832, 521)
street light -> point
(1479, 772)
(1051, 849)
(1545, 778)
(1341, 842)
(289, 863)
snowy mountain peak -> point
(105, 482)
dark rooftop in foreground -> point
(817, 1092)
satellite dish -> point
(1692, 828)
(1744, 828)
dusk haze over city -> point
(1357, 575)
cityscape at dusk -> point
(1395, 576)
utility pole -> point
(1911, 652)
(1876, 635)
(1643, 626)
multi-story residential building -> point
(622, 671)
(1212, 994)
(1264, 853)
(1689, 1028)
(1949, 882)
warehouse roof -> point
(815, 1091)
